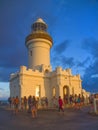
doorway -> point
(37, 91)
(66, 93)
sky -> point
(73, 25)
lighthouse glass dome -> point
(39, 25)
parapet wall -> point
(66, 72)
(25, 70)
(59, 70)
(37, 72)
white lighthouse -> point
(38, 79)
(38, 43)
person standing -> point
(25, 103)
(54, 101)
(29, 103)
(60, 102)
(16, 103)
(46, 102)
(22, 104)
(34, 107)
(10, 101)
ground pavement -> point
(48, 120)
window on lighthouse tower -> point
(30, 53)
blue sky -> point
(73, 25)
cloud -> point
(94, 76)
(83, 63)
(60, 48)
(58, 57)
(5, 73)
(65, 62)
(90, 80)
(1, 89)
(91, 46)
(4, 90)
(11, 56)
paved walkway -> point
(48, 120)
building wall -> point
(15, 89)
(45, 84)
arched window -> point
(46, 71)
(53, 92)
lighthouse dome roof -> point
(40, 20)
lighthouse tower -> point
(38, 79)
(38, 44)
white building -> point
(38, 79)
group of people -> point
(14, 103)
(31, 103)
(94, 102)
(44, 102)
(76, 101)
